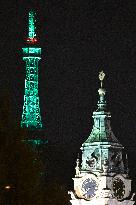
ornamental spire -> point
(101, 77)
(101, 103)
(101, 130)
(99, 150)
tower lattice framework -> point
(31, 116)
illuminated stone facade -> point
(102, 176)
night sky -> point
(78, 38)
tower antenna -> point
(32, 28)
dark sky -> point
(79, 38)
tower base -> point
(101, 201)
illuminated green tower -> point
(31, 117)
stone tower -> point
(102, 175)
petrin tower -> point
(102, 175)
(31, 117)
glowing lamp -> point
(7, 187)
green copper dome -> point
(101, 131)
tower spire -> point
(101, 103)
(32, 28)
(101, 129)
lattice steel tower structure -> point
(31, 117)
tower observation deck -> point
(31, 117)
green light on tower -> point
(31, 117)
(32, 27)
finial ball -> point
(101, 91)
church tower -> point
(31, 117)
(102, 175)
